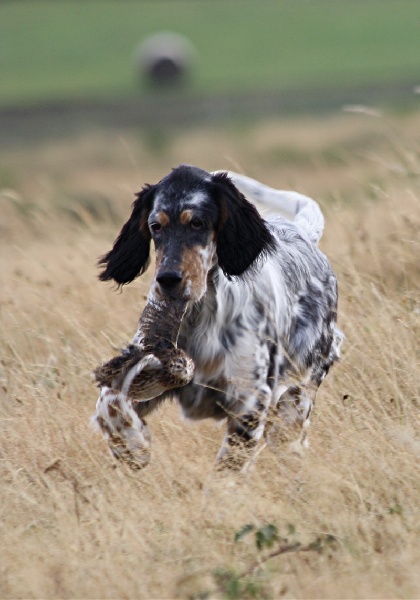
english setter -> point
(260, 323)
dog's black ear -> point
(129, 256)
(243, 235)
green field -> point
(82, 49)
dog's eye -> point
(155, 227)
(197, 223)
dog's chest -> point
(205, 343)
(222, 349)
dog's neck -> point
(207, 305)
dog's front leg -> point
(125, 431)
(244, 431)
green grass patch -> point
(78, 49)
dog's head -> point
(196, 220)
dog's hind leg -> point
(290, 419)
(244, 432)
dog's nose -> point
(169, 279)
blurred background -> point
(75, 64)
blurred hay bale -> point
(165, 59)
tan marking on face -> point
(195, 264)
(186, 216)
(193, 269)
(163, 218)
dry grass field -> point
(74, 524)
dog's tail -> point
(304, 211)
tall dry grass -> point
(76, 525)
